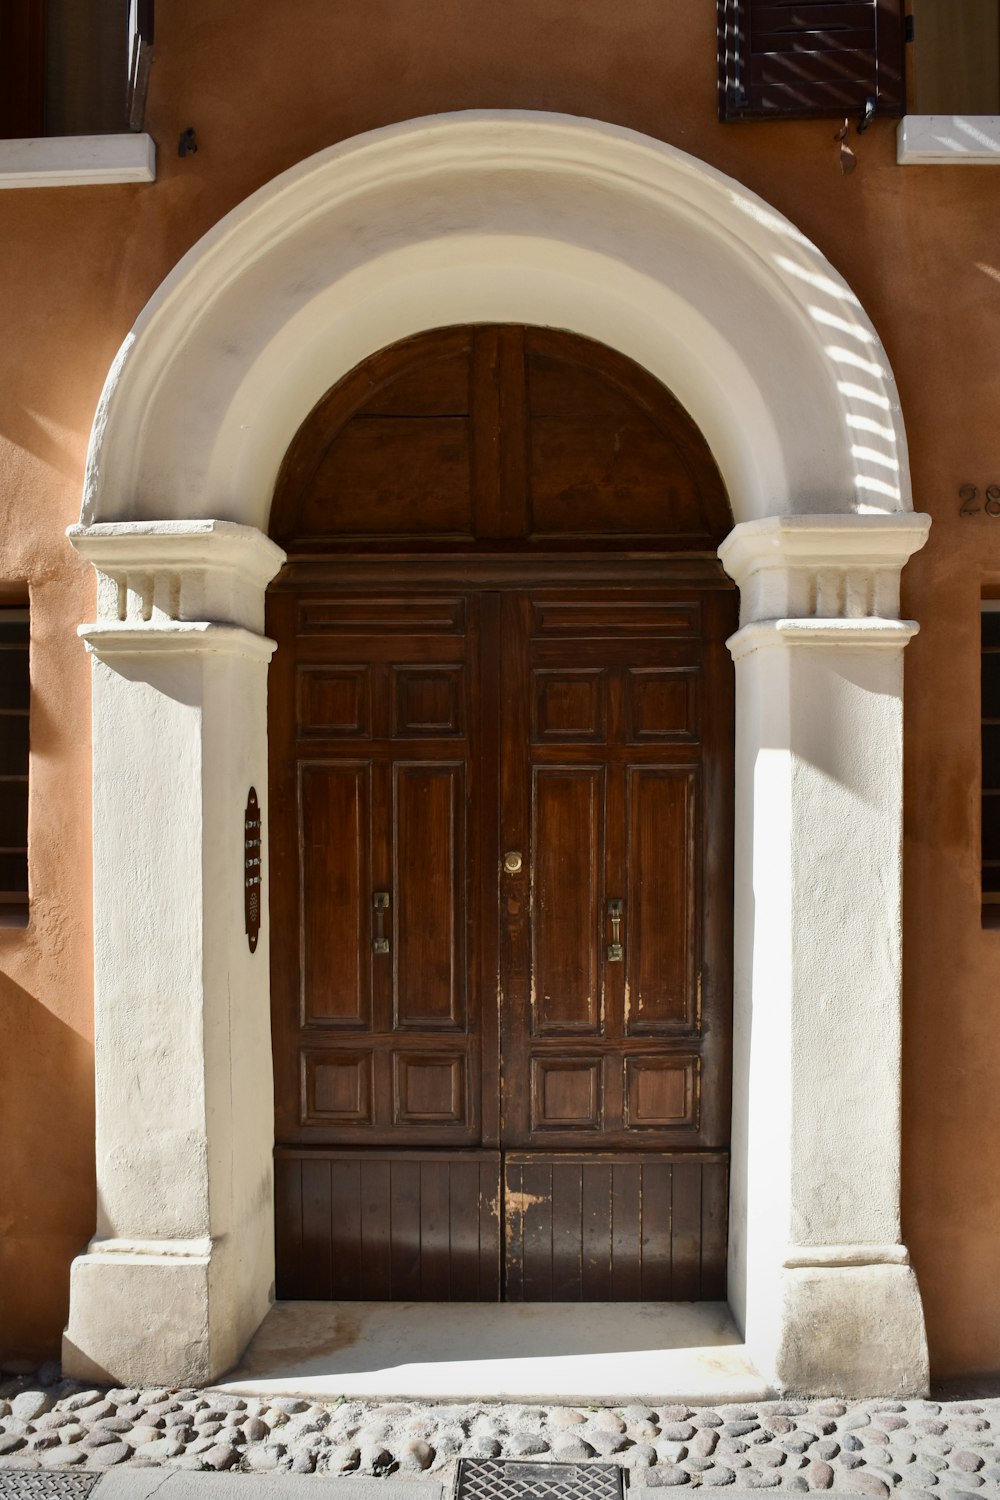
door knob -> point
(512, 862)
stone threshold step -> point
(557, 1353)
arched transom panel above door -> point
(487, 434)
(501, 765)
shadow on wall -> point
(861, 371)
(47, 1173)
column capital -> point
(822, 567)
(160, 575)
(869, 633)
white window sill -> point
(940, 140)
(77, 160)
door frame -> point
(498, 216)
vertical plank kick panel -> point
(615, 1226)
(381, 1226)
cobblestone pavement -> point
(913, 1449)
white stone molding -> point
(566, 223)
(500, 216)
(107, 641)
(180, 1270)
(77, 160)
(822, 567)
(799, 1256)
(948, 141)
(163, 573)
(818, 1272)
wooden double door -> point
(501, 892)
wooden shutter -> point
(787, 59)
(140, 57)
(22, 68)
(15, 693)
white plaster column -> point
(180, 1270)
(819, 1277)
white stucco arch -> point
(499, 216)
(541, 219)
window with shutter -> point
(22, 67)
(73, 67)
(991, 762)
(956, 57)
(15, 692)
(786, 59)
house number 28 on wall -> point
(972, 505)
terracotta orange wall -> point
(265, 85)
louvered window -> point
(800, 58)
(14, 711)
(991, 762)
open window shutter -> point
(140, 52)
(22, 68)
(795, 58)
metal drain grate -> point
(39, 1484)
(508, 1479)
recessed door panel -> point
(662, 835)
(567, 838)
(335, 823)
(429, 878)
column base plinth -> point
(852, 1330)
(148, 1313)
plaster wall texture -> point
(76, 266)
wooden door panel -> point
(428, 701)
(660, 909)
(567, 1093)
(615, 1227)
(662, 704)
(367, 619)
(388, 1225)
(428, 907)
(376, 478)
(430, 1088)
(613, 615)
(335, 875)
(615, 1045)
(338, 1086)
(662, 1090)
(597, 456)
(384, 1044)
(334, 702)
(569, 704)
(567, 842)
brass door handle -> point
(616, 951)
(380, 905)
(513, 861)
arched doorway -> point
(501, 832)
(522, 218)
